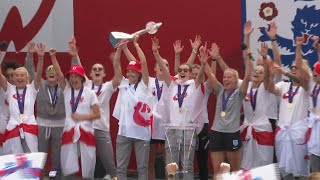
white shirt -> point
(104, 96)
(87, 100)
(30, 98)
(4, 111)
(130, 104)
(299, 110)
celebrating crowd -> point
(166, 113)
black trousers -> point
(202, 152)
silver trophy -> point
(119, 38)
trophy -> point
(119, 38)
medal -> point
(159, 89)
(223, 114)
(253, 100)
(53, 95)
(22, 116)
(21, 102)
(225, 101)
(291, 95)
(75, 102)
(315, 94)
(99, 89)
(181, 96)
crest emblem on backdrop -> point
(293, 18)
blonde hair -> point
(50, 70)
(305, 65)
(23, 69)
(234, 72)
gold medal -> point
(314, 110)
(22, 116)
(290, 105)
(223, 114)
(180, 109)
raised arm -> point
(263, 51)
(142, 57)
(215, 55)
(272, 88)
(3, 80)
(29, 64)
(57, 68)
(73, 51)
(164, 69)
(203, 56)
(117, 67)
(246, 79)
(302, 72)
(128, 53)
(316, 45)
(195, 46)
(177, 51)
(41, 51)
(247, 30)
(272, 33)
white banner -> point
(293, 18)
(48, 21)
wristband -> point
(194, 51)
(274, 39)
(216, 58)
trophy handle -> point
(119, 38)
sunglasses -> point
(97, 69)
(184, 70)
(257, 71)
(293, 67)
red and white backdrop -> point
(53, 22)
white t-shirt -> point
(311, 91)
(191, 110)
(207, 92)
(104, 96)
(299, 110)
(4, 111)
(133, 107)
(30, 98)
(87, 100)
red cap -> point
(317, 68)
(134, 65)
(77, 69)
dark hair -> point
(10, 64)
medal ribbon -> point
(315, 94)
(21, 99)
(159, 89)
(99, 89)
(181, 96)
(225, 100)
(253, 99)
(74, 105)
(54, 96)
(290, 94)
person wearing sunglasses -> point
(22, 129)
(290, 138)
(82, 108)
(256, 131)
(314, 108)
(133, 111)
(50, 112)
(104, 91)
(183, 102)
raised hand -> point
(196, 43)
(299, 40)
(272, 31)
(177, 47)
(135, 40)
(203, 54)
(214, 51)
(31, 47)
(263, 51)
(73, 50)
(41, 49)
(52, 52)
(247, 29)
(316, 42)
(155, 44)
